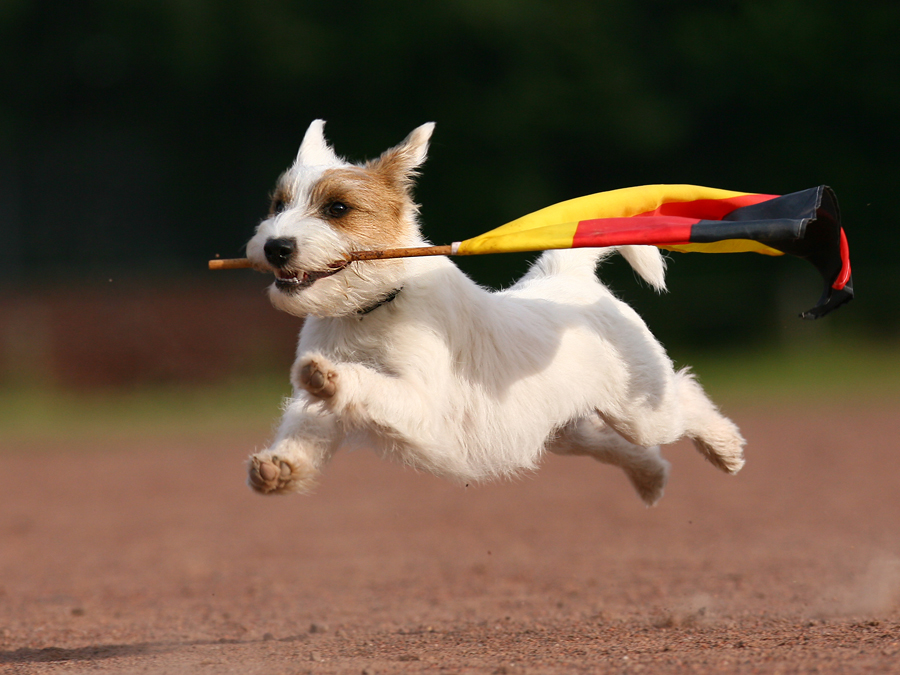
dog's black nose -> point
(279, 250)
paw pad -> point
(269, 475)
(317, 381)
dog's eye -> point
(337, 210)
(277, 206)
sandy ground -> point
(149, 555)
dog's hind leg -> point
(714, 435)
(590, 436)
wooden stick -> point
(230, 264)
(400, 253)
(384, 254)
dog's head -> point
(322, 209)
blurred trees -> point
(142, 136)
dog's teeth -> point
(289, 277)
(289, 281)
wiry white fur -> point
(467, 383)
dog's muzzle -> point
(278, 252)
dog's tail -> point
(648, 262)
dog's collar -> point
(385, 300)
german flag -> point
(689, 218)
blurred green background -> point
(139, 138)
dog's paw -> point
(317, 376)
(649, 476)
(271, 474)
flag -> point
(689, 218)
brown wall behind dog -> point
(117, 334)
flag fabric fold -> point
(689, 218)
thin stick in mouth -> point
(383, 254)
(230, 264)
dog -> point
(412, 358)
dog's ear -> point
(400, 162)
(314, 150)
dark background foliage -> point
(139, 138)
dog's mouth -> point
(291, 281)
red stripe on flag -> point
(669, 223)
(844, 276)
(650, 230)
(706, 209)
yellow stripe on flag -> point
(558, 235)
(726, 246)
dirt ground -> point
(151, 556)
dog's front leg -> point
(362, 396)
(307, 438)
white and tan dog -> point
(412, 358)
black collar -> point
(385, 300)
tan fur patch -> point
(379, 204)
(281, 197)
